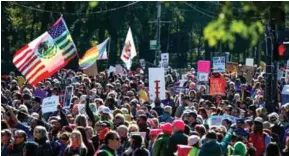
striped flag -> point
(47, 54)
(95, 53)
(128, 51)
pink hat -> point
(179, 124)
(155, 132)
(167, 128)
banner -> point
(165, 60)
(128, 51)
(91, 70)
(157, 83)
(249, 62)
(204, 66)
(50, 104)
(217, 86)
(232, 67)
(203, 76)
(68, 96)
(217, 120)
(219, 64)
(177, 90)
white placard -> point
(157, 83)
(118, 69)
(250, 62)
(219, 64)
(67, 97)
(50, 104)
(92, 106)
(203, 76)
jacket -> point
(178, 138)
(45, 148)
(166, 117)
(160, 147)
(214, 148)
(194, 151)
(25, 149)
(255, 139)
(69, 151)
(105, 151)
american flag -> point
(35, 68)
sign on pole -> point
(156, 83)
(50, 104)
(153, 44)
(165, 60)
(219, 64)
(92, 106)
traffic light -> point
(281, 51)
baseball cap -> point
(193, 139)
(105, 110)
(167, 128)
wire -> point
(74, 13)
(200, 11)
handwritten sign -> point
(232, 67)
(50, 104)
(204, 66)
(67, 97)
(217, 86)
(92, 106)
(250, 62)
(249, 73)
(219, 64)
(157, 83)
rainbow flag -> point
(97, 52)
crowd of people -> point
(126, 125)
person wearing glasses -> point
(76, 145)
(21, 146)
(111, 144)
(63, 142)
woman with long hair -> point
(40, 135)
(87, 142)
(76, 145)
(136, 147)
(6, 141)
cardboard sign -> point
(68, 97)
(232, 67)
(203, 76)
(219, 64)
(50, 104)
(204, 66)
(217, 86)
(157, 83)
(249, 62)
(249, 73)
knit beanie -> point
(240, 148)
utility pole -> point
(158, 22)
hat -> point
(258, 120)
(167, 128)
(240, 148)
(37, 99)
(23, 108)
(179, 124)
(168, 109)
(240, 121)
(124, 110)
(267, 125)
(105, 110)
(193, 139)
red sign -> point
(217, 86)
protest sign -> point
(165, 60)
(249, 62)
(203, 76)
(249, 73)
(176, 90)
(219, 64)
(232, 67)
(50, 104)
(156, 83)
(204, 66)
(92, 106)
(118, 69)
(67, 97)
(142, 63)
(92, 70)
(111, 69)
(217, 86)
(217, 120)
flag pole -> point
(108, 53)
